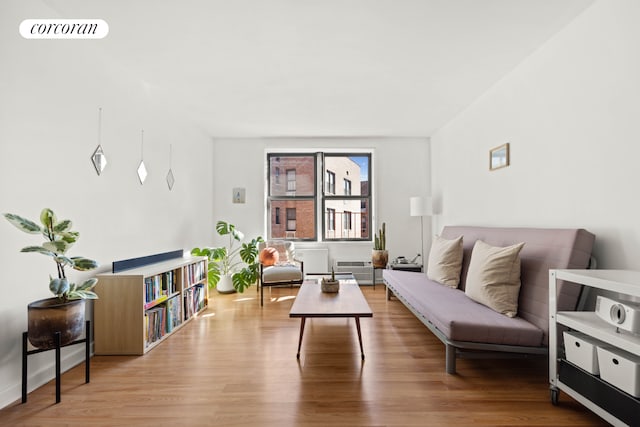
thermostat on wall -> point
(238, 195)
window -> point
(291, 180)
(347, 187)
(330, 186)
(331, 219)
(352, 203)
(346, 221)
(309, 192)
(296, 192)
(291, 219)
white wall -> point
(570, 112)
(50, 94)
(401, 170)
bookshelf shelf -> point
(139, 308)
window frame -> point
(347, 186)
(289, 197)
(331, 219)
(320, 196)
(368, 197)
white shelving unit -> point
(610, 403)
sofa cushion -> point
(458, 317)
(445, 261)
(494, 277)
(546, 248)
(281, 273)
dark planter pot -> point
(379, 258)
(48, 316)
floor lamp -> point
(421, 206)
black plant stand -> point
(25, 353)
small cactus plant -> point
(380, 238)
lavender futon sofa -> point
(463, 324)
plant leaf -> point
(218, 254)
(59, 286)
(83, 295)
(83, 264)
(23, 224)
(39, 249)
(249, 252)
(223, 228)
(61, 259)
(88, 285)
(57, 246)
(70, 236)
(238, 235)
(47, 217)
(213, 275)
(62, 226)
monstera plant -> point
(233, 267)
(65, 312)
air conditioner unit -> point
(362, 270)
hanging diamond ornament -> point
(170, 179)
(98, 158)
(142, 169)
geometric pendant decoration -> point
(170, 179)
(98, 158)
(142, 172)
(142, 169)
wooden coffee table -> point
(312, 302)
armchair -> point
(287, 271)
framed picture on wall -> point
(499, 157)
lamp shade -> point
(420, 206)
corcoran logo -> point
(64, 29)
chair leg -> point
(261, 295)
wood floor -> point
(235, 365)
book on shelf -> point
(159, 285)
(155, 324)
(194, 300)
(195, 273)
(156, 301)
(174, 317)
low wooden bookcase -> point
(139, 308)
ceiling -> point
(247, 68)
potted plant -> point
(380, 255)
(65, 312)
(232, 268)
(330, 285)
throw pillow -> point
(445, 261)
(493, 278)
(281, 247)
(268, 256)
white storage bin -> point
(581, 350)
(620, 369)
